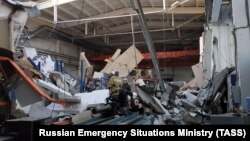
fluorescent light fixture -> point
(175, 4)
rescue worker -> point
(115, 85)
(123, 97)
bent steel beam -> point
(137, 7)
(160, 55)
(30, 81)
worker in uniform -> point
(115, 85)
(124, 96)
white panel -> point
(224, 50)
(125, 63)
(243, 61)
(53, 88)
(25, 95)
(243, 49)
(50, 3)
(201, 41)
(239, 15)
(198, 73)
(29, 52)
(18, 21)
(216, 10)
(207, 61)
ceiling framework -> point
(108, 22)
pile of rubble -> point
(71, 93)
(194, 102)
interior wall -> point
(56, 46)
(65, 51)
(59, 50)
(219, 46)
(242, 35)
(177, 73)
(224, 48)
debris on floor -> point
(87, 100)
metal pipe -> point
(109, 17)
(160, 55)
(137, 32)
(137, 7)
(124, 33)
(155, 41)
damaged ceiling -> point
(174, 25)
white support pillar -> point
(55, 11)
(179, 33)
(107, 39)
(86, 28)
(172, 19)
(164, 5)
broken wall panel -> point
(191, 84)
(47, 64)
(39, 111)
(239, 13)
(208, 59)
(224, 48)
(116, 54)
(18, 21)
(219, 49)
(198, 73)
(53, 88)
(201, 41)
(29, 52)
(242, 42)
(125, 63)
(150, 101)
(216, 10)
(87, 69)
(25, 95)
(94, 97)
(243, 67)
